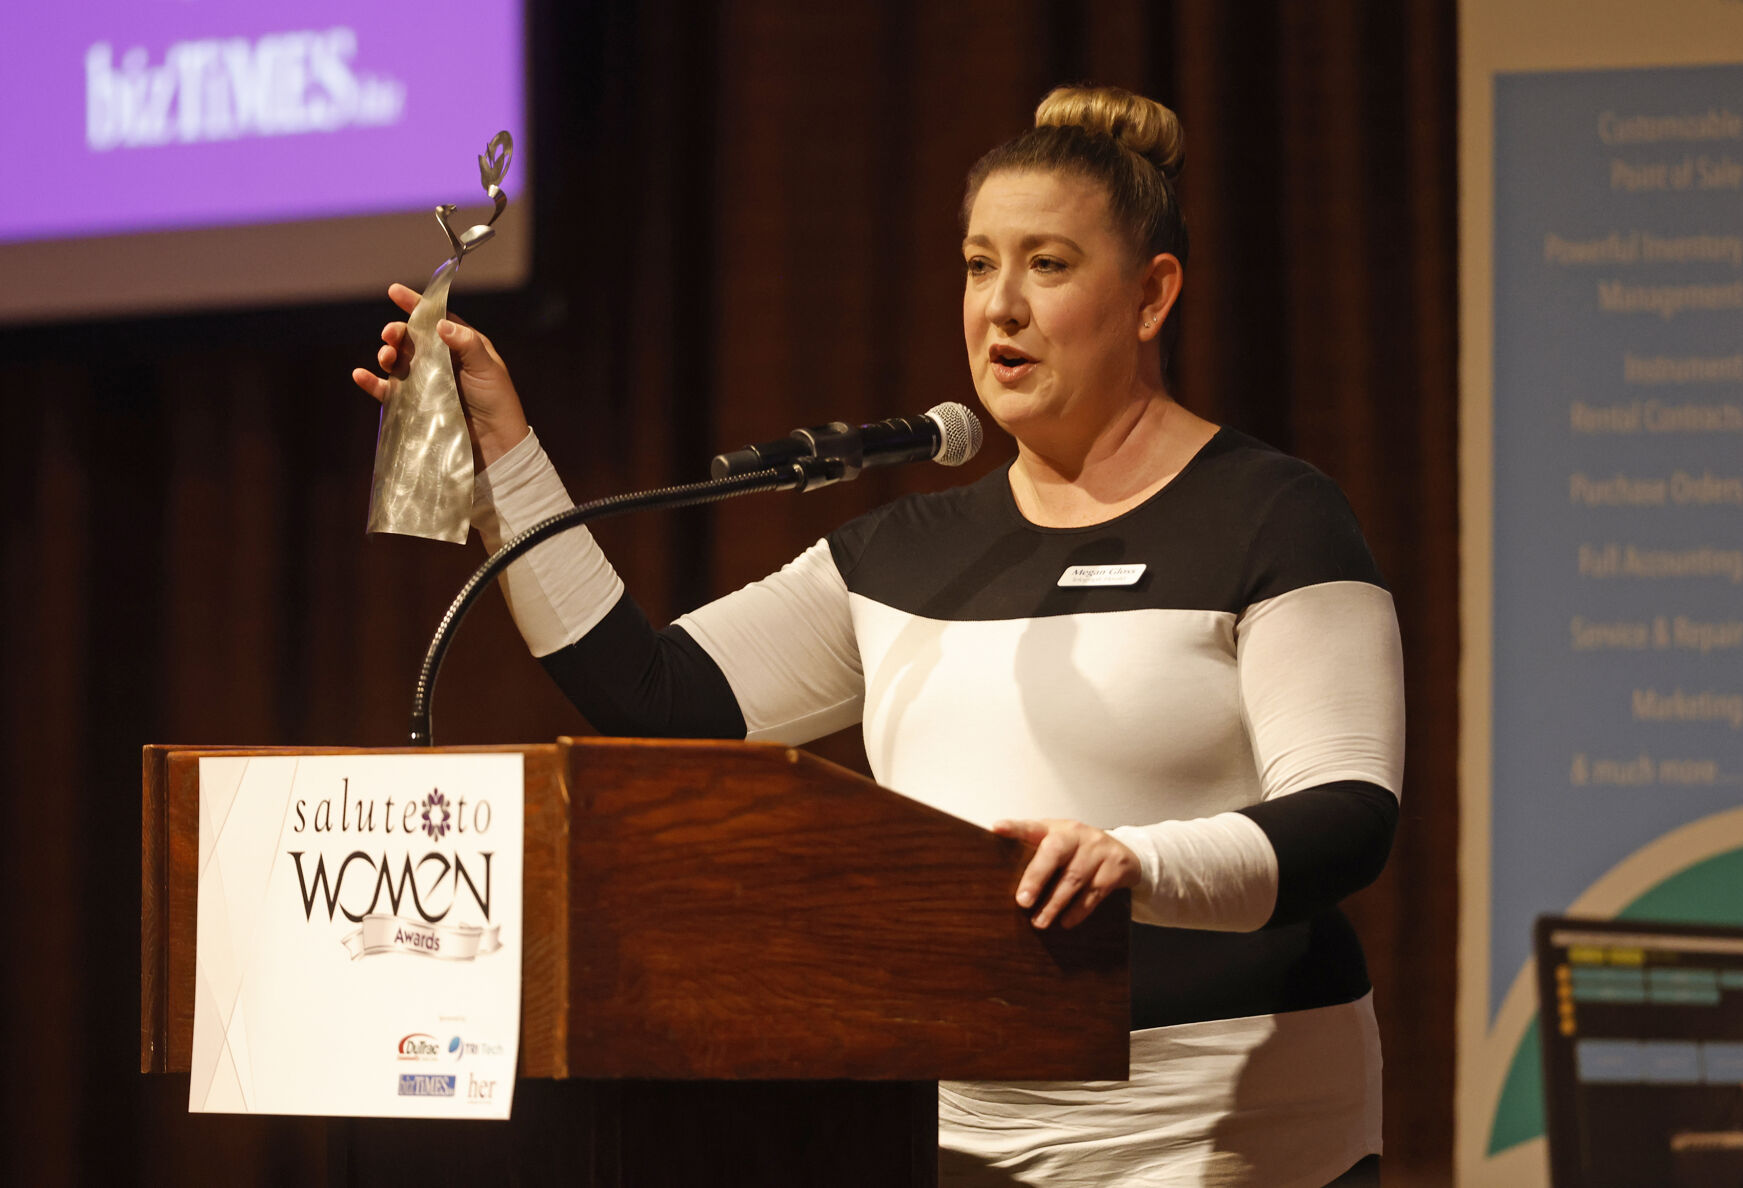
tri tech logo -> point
(459, 1049)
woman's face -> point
(1053, 307)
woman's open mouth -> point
(1009, 364)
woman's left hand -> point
(1089, 865)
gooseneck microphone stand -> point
(802, 474)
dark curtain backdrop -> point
(745, 221)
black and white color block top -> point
(1234, 715)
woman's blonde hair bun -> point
(1140, 124)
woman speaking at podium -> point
(1154, 648)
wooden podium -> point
(743, 965)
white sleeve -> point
(1322, 692)
(1217, 873)
(788, 649)
(1322, 687)
(560, 590)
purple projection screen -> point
(186, 122)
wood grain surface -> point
(751, 911)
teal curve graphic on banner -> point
(1705, 893)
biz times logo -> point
(220, 89)
(426, 1084)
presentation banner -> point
(358, 947)
(137, 116)
(174, 155)
(1602, 313)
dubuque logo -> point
(381, 863)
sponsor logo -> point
(418, 1046)
(426, 1084)
(459, 1048)
(282, 84)
(479, 1092)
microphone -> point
(947, 433)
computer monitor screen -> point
(1642, 1027)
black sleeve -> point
(628, 679)
(1331, 841)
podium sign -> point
(358, 935)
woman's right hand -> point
(493, 409)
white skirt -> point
(1271, 1101)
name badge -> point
(1102, 575)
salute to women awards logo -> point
(402, 894)
(311, 863)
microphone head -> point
(959, 433)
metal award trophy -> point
(423, 456)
